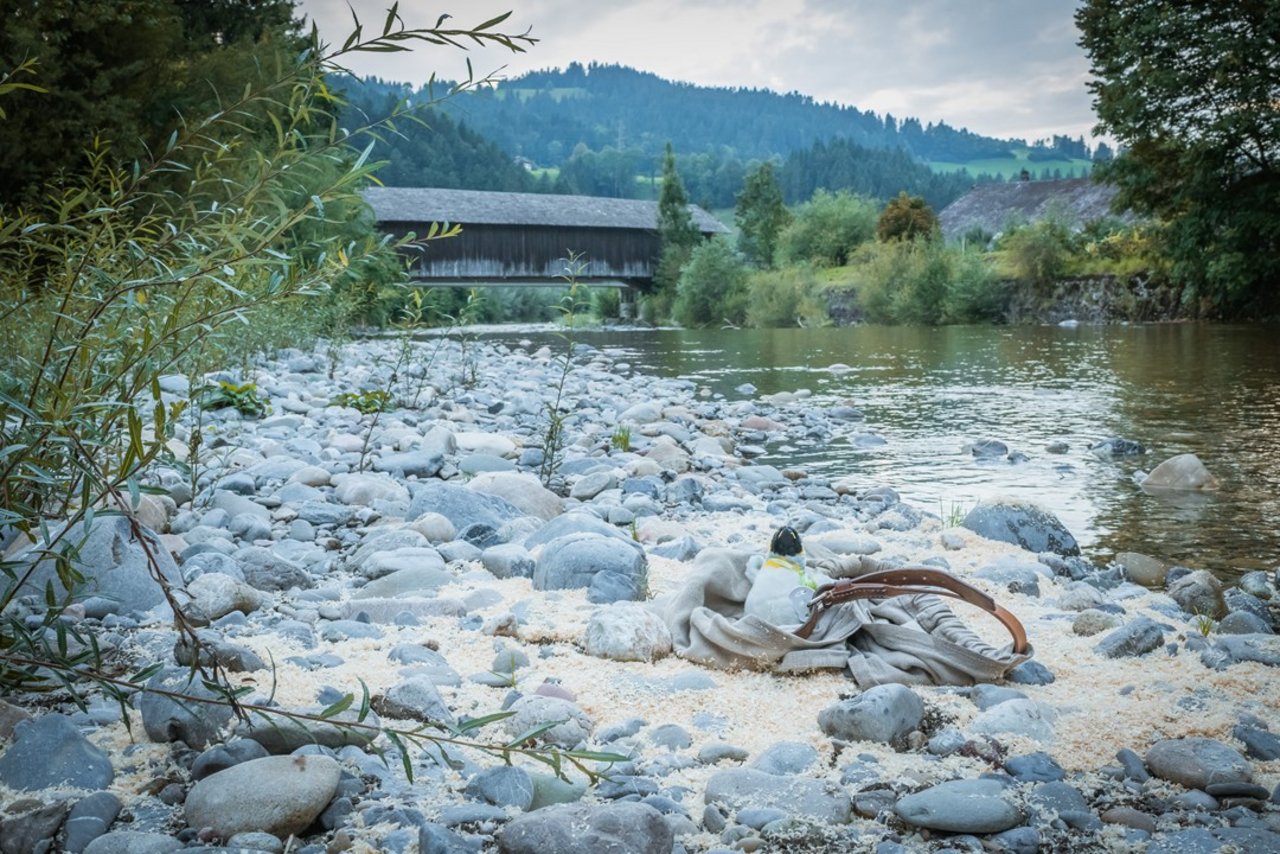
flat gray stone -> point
(89, 819)
(50, 751)
(280, 795)
(502, 786)
(1138, 637)
(1197, 762)
(575, 561)
(616, 828)
(133, 842)
(739, 788)
(166, 719)
(960, 806)
(1033, 528)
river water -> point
(1211, 390)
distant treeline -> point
(600, 131)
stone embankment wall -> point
(1099, 299)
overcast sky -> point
(1005, 68)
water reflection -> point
(1209, 390)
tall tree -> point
(675, 222)
(1192, 92)
(760, 215)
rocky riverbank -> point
(418, 553)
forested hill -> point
(600, 130)
(542, 115)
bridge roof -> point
(481, 207)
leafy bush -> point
(1038, 253)
(906, 218)
(926, 282)
(366, 402)
(789, 296)
(712, 288)
(244, 398)
(606, 303)
(828, 228)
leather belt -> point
(909, 581)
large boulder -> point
(1033, 528)
(1181, 473)
(1197, 762)
(610, 569)
(190, 721)
(521, 490)
(116, 568)
(462, 506)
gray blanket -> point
(907, 639)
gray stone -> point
(416, 699)
(170, 719)
(671, 737)
(1235, 649)
(508, 560)
(521, 490)
(986, 696)
(960, 806)
(415, 581)
(572, 725)
(627, 631)
(218, 595)
(50, 751)
(1143, 569)
(223, 756)
(988, 449)
(739, 788)
(1133, 639)
(211, 562)
(884, 713)
(419, 463)
(575, 560)
(1081, 596)
(324, 513)
(364, 489)
(132, 842)
(1243, 623)
(1017, 717)
(617, 828)
(1182, 473)
(577, 522)
(786, 757)
(10, 716)
(115, 566)
(461, 506)
(1117, 447)
(1197, 762)
(1200, 593)
(1026, 525)
(280, 795)
(89, 819)
(1258, 743)
(1092, 622)
(265, 570)
(715, 752)
(1035, 767)
(281, 735)
(502, 786)
(589, 486)
(31, 829)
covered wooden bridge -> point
(527, 238)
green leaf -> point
(338, 707)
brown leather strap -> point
(909, 581)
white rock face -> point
(276, 794)
(627, 631)
(1183, 472)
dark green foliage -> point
(760, 215)
(675, 223)
(243, 397)
(1038, 253)
(925, 282)
(712, 288)
(789, 296)
(907, 218)
(840, 164)
(827, 229)
(1190, 91)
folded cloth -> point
(913, 640)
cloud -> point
(1005, 68)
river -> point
(1212, 390)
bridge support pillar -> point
(627, 304)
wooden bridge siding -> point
(535, 252)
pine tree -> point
(761, 215)
(675, 223)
